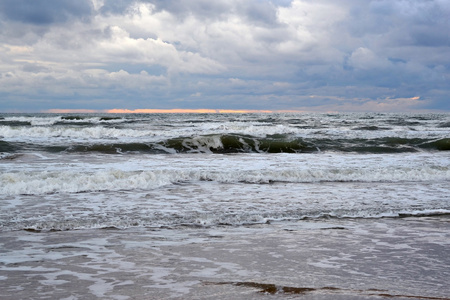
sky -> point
(271, 55)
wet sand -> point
(331, 259)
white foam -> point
(210, 204)
(152, 171)
(74, 182)
(42, 133)
(53, 119)
(35, 121)
(113, 180)
(203, 144)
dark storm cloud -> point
(428, 37)
(44, 12)
(419, 23)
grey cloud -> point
(34, 68)
(407, 40)
(262, 13)
(239, 54)
(116, 6)
(255, 11)
(402, 22)
(204, 9)
(44, 12)
(281, 2)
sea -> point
(225, 206)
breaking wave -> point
(236, 143)
(59, 120)
(48, 182)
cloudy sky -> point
(307, 55)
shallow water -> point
(327, 259)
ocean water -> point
(231, 206)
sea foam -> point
(67, 181)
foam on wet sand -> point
(343, 259)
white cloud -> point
(366, 59)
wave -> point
(290, 144)
(221, 133)
(49, 120)
(372, 128)
(236, 143)
(129, 219)
(13, 123)
(72, 134)
(7, 147)
(48, 182)
(9, 156)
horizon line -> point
(162, 111)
